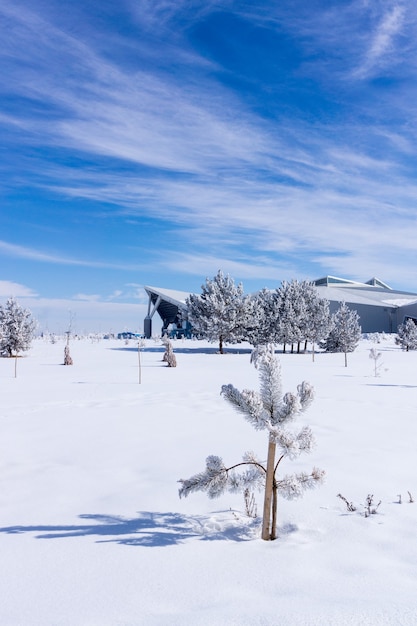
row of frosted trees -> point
(291, 315)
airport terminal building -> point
(380, 308)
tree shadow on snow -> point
(391, 385)
(182, 350)
(150, 529)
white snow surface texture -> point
(92, 530)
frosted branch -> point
(292, 486)
(248, 403)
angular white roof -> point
(374, 292)
(172, 296)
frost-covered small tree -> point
(221, 313)
(407, 335)
(291, 311)
(316, 324)
(263, 325)
(17, 328)
(375, 356)
(272, 411)
(345, 331)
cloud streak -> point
(22, 252)
(381, 49)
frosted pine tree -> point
(17, 328)
(317, 323)
(221, 313)
(407, 335)
(345, 331)
(291, 314)
(272, 411)
(263, 326)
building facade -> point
(380, 308)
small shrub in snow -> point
(269, 410)
(169, 357)
(350, 506)
(370, 508)
(410, 498)
(251, 509)
(67, 356)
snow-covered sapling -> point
(375, 355)
(141, 344)
(269, 410)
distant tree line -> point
(292, 315)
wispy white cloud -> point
(197, 154)
(87, 297)
(15, 290)
(23, 252)
(381, 47)
(246, 268)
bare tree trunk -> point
(221, 344)
(345, 359)
(15, 366)
(269, 487)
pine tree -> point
(345, 331)
(263, 326)
(17, 328)
(317, 323)
(407, 335)
(269, 410)
(221, 313)
(290, 312)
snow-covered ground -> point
(93, 532)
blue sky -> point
(153, 142)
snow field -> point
(93, 531)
